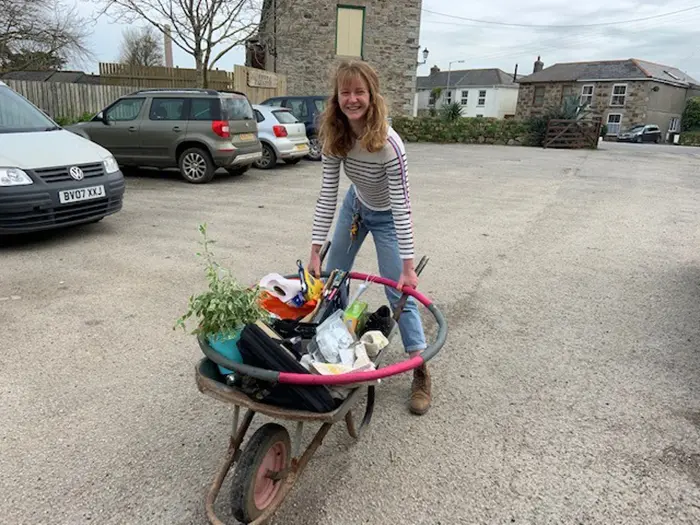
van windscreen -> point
(19, 116)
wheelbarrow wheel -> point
(253, 489)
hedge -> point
(690, 138)
(463, 130)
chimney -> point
(434, 70)
(515, 74)
(168, 46)
(539, 65)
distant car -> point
(282, 136)
(50, 178)
(307, 109)
(641, 133)
(195, 130)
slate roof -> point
(73, 77)
(629, 69)
(466, 78)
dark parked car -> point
(306, 109)
(641, 133)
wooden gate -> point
(572, 134)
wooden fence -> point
(255, 83)
(67, 100)
(572, 134)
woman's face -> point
(353, 97)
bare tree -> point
(205, 29)
(141, 47)
(35, 34)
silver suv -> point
(195, 130)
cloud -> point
(663, 39)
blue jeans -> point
(343, 251)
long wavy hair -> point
(335, 134)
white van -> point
(50, 177)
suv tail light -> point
(279, 131)
(220, 127)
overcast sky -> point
(670, 40)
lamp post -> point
(449, 71)
(425, 56)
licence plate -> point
(81, 194)
(246, 137)
(301, 147)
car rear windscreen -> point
(285, 117)
(236, 108)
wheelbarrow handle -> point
(402, 302)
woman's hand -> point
(409, 277)
(314, 267)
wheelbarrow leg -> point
(231, 456)
(294, 473)
(355, 432)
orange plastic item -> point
(273, 305)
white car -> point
(282, 135)
(50, 177)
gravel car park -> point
(568, 393)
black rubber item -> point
(243, 506)
(235, 172)
(292, 161)
(260, 350)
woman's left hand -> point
(409, 278)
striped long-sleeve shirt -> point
(381, 184)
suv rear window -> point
(205, 109)
(284, 117)
(236, 108)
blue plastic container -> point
(227, 347)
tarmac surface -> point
(568, 390)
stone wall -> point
(306, 35)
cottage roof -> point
(466, 78)
(628, 69)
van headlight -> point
(14, 177)
(110, 165)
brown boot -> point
(420, 391)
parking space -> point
(568, 392)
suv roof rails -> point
(176, 90)
(233, 91)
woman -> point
(354, 132)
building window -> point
(350, 28)
(675, 125)
(448, 97)
(479, 116)
(465, 97)
(587, 94)
(619, 95)
(538, 100)
(614, 121)
(567, 91)
(482, 99)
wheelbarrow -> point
(271, 462)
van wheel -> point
(196, 166)
(314, 149)
(268, 159)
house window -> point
(482, 98)
(675, 125)
(465, 97)
(538, 100)
(479, 116)
(568, 91)
(587, 94)
(448, 97)
(614, 121)
(619, 95)
(350, 28)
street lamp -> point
(425, 56)
(449, 71)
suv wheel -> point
(196, 166)
(268, 159)
(314, 149)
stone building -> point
(622, 93)
(303, 39)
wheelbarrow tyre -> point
(252, 491)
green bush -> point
(463, 130)
(690, 138)
(67, 121)
(690, 120)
